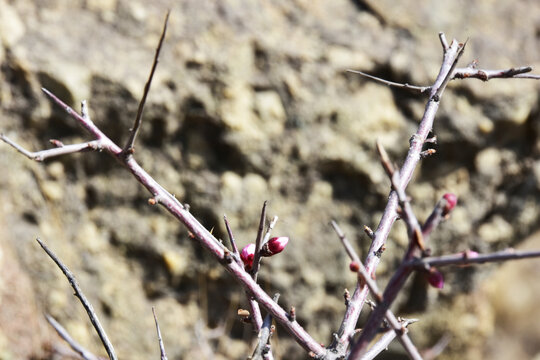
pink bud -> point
(435, 278)
(470, 254)
(354, 266)
(451, 201)
(274, 246)
(247, 254)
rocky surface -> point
(251, 102)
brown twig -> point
(84, 301)
(160, 340)
(78, 348)
(128, 148)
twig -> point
(471, 258)
(258, 243)
(160, 340)
(434, 218)
(50, 153)
(84, 301)
(444, 42)
(385, 340)
(418, 89)
(128, 148)
(263, 344)
(78, 348)
(231, 239)
(486, 75)
(389, 215)
(397, 328)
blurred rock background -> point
(251, 102)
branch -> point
(128, 148)
(389, 215)
(160, 340)
(413, 88)
(204, 237)
(485, 75)
(471, 258)
(385, 340)
(50, 153)
(258, 243)
(267, 329)
(84, 301)
(398, 328)
(231, 239)
(78, 348)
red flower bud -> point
(274, 246)
(354, 266)
(435, 278)
(247, 254)
(451, 201)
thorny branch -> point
(363, 275)
(352, 313)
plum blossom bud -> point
(451, 201)
(247, 255)
(274, 246)
(354, 266)
(435, 278)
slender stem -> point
(231, 239)
(78, 348)
(128, 148)
(84, 301)
(258, 243)
(471, 258)
(50, 153)
(418, 89)
(263, 344)
(160, 340)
